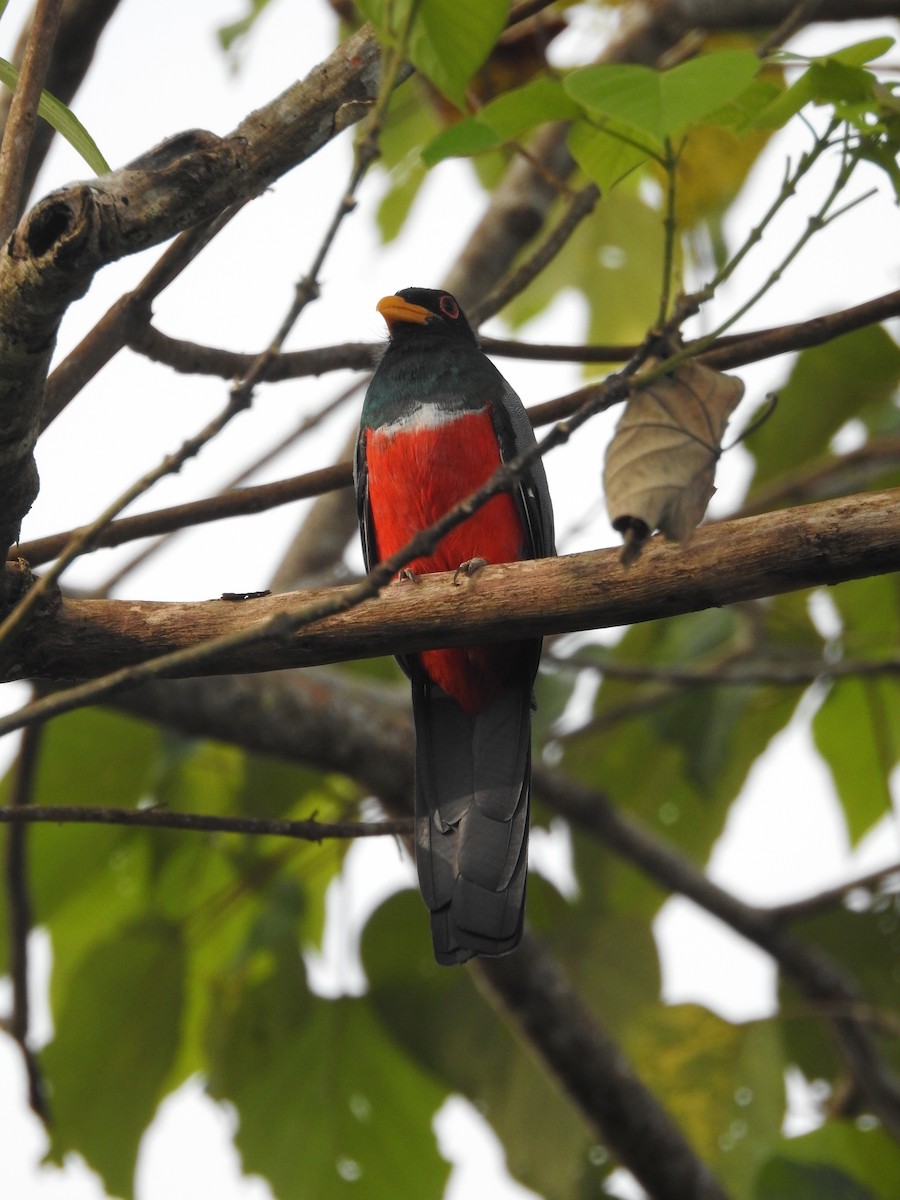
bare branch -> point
(232, 503)
(22, 118)
(744, 559)
(581, 205)
(81, 25)
(741, 670)
(158, 818)
(192, 359)
(884, 880)
(530, 990)
(834, 995)
(125, 318)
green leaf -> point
(852, 376)
(857, 733)
(606, 155)
(517, 111)
(807, 1181)
(836, 1162)
(231, 33)
(662, 104)
(502, 120)
(862, 52)
(117, 1037)
(864, 940)
(826, 81)
(63, 121)
(449, 39)
(723, 1084)
(328, 1105)
(613, 260)
(444, 1025)
(461, 140)
(88, 757)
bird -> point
(437, 420)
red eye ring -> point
(449, 307)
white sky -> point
(159, 71)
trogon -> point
(437, 420)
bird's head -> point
(413, 309)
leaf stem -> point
(670, 165)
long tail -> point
(473, 785)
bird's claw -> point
(469, 567)
(407, 575)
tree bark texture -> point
(814, 545)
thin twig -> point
(814, 224)
(801, 14)
(884, 880)
(670, 165)
(192, 358)
(581, 205)
(210, 510)
(23, 111)
(739, 672)
(233, 503)
(85, 536)
(833, 994)
(690, 304)
(160, 818)
(122, 323)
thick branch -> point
(531, 989)
(833, 994)
(737, 560)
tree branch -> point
(531, 990)
(22, 118)
(192, 359)
(834, 995)
(819, 544)
(81, 25)
(158, 818)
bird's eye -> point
(449, 307)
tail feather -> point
(472, 798)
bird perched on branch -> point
(437, 421)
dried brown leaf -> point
(660, 466)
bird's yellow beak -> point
(396, 310)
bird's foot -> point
(469, 567)
(407, 575)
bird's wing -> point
(515, 434)
(363, 508)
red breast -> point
(419, 468)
